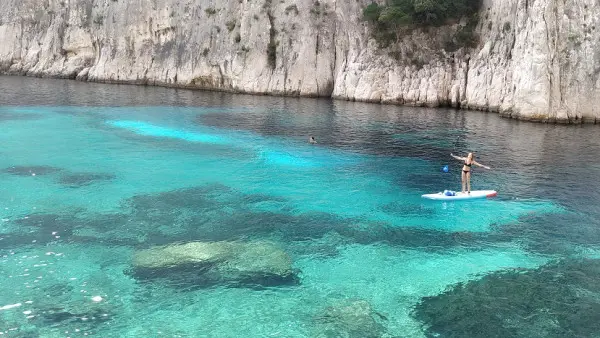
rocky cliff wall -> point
(535, 59)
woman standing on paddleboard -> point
(466, 170)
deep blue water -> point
(288, 239)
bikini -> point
(468, 165)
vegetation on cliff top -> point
(396, 17)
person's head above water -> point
(312, 140)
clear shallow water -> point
(119, 169)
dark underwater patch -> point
(34, 170)
(48, 224)
(11, 241)
(49, 221)
(556, 300)
(207, 275)
(214, 213)
(218, 213)
(413, 237)
(550, 233)
(351, 319)
(57, 290)
(42, 228)
(90, 319)
(202, 198)
(102, 222)
(77, 180)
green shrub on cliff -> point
(420, 12)
(397, 16)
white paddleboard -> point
(459, 196)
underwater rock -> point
(350, 319)
(71, 318)
(48, 221)
(205, 264)
(180, 254)
(35, 170)
(556, 300)
(38, 229)
(77, 180)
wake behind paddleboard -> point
(460, 196)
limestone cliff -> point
(536, 59)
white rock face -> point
(536, 59)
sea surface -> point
(254, 232)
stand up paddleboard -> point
(460, 196)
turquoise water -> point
(92, 175)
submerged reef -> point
(76, 180)
(560, 299)
(351, 319)
(33, 170)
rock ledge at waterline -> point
(536, 60)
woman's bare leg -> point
(464, 181)
(468, 182)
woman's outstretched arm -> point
(481, 165)
(458, 157)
